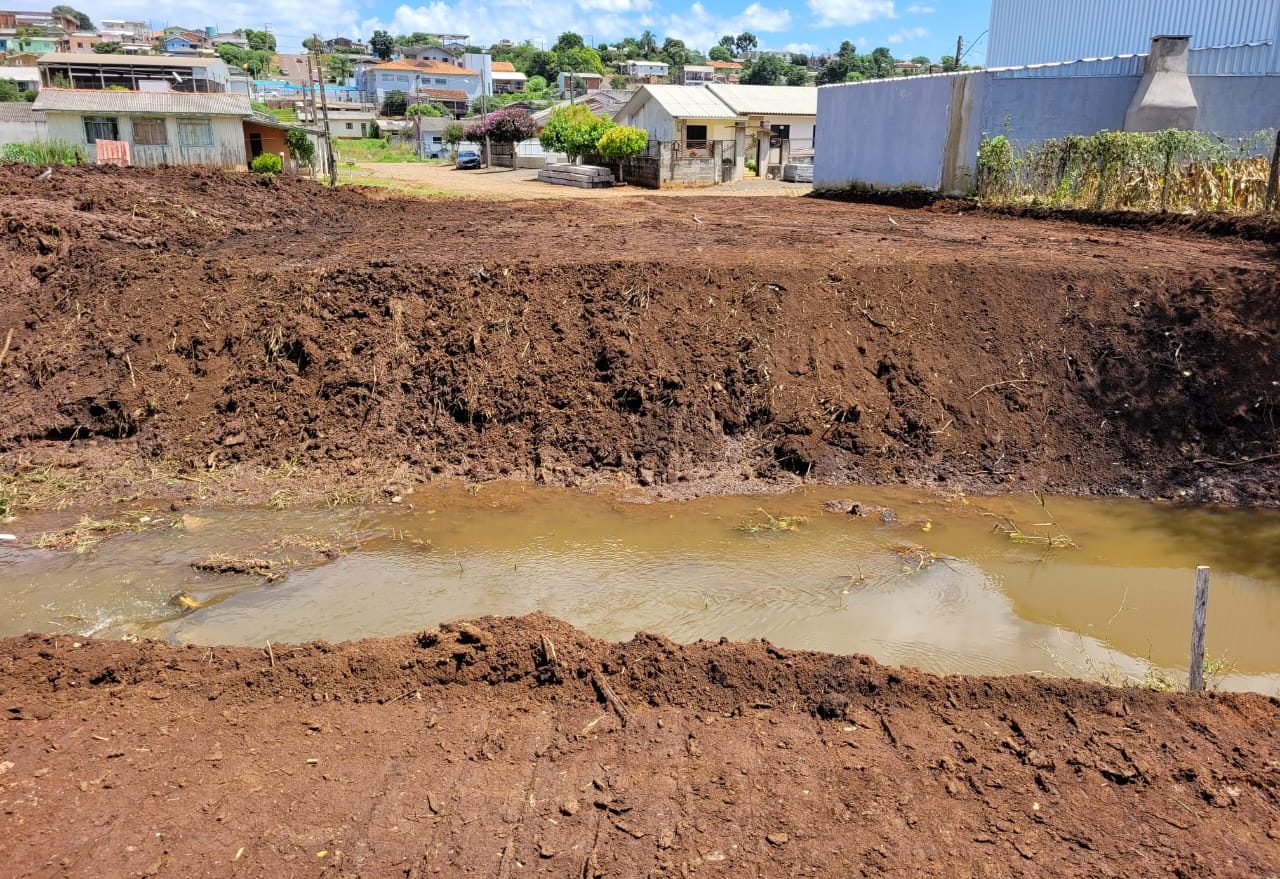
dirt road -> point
(192, 325)
(468, 752)
(522, 184)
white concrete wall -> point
(227, 150)
(925, 131)
(22, 126)
(882, 133)
(653, 119)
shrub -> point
(300, 147)
(394, 104)
(574, 130)
(43, 152)
(267, 164)
(454, 134)
(505, 126)
(622, 142)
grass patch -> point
(40, 489)
(772, 524)
(86, 534)
(399, 187)
(374, 149)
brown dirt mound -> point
(488, 748)
(212, 319)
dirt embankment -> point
(490, 749)
(202, 320)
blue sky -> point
(907, 27)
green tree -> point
(580, 60)
(647, 44)
(339, 67)
(260, 41)
(453, 135)
(232, 54)
(574, 130)
(618, 81)
(745, 42)
(394, 104)
(728, 43)
(382, 45)
(110, 47)
(769, 70)
(621, 142)
(922, 60)
(568, 40)
(424, 108)
(794, 74)
(675, 52)
(544, 64)
(9, 91)
(301, 149)
(536, 86)
(948, 62)
(86, 23)
(313, 44)
(882, 62)
(720, 53)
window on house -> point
(149, 132)
(195, 132)
(98, 128)
(441, 81)
(350, 127)
(437, 139)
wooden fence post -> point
(1273, 183)
(1196, 682)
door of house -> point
(255, 145)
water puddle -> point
(1086, 587)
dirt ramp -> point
(207, 321)
(509, 746)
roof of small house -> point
(681, 102)
(443, 95)
(503, 67)
(767, 100)
(426, 65)
(724, 65)
(81, 60)
(162, 103)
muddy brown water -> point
(946, 589)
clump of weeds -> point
(772, 524)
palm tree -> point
(648, 44)
(339, 67)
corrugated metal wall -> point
(1039, 31)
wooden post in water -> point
(1196, 682)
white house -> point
(163, 128)
(346, 118)
(506, 79)
(697, 74)
(25, 78)
(642, 69)
(428, 53)
(411, 76)
(769, 125)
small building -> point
(697, 74)
(152, 73)
(347, 119)
(20, 124)
(726, 71)
(229, 39)
(506, 79)
(769, 125)
(642, 69)
(428, 53)
(25, 78)
(220, 130)
(455, 101)
(351, 47)
(581, 82)
(410, 76)
(82, 42)
(185, 43)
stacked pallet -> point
(583, 176)
(801, 172)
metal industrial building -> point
(1228, 37)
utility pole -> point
(324, 108)
(959, 49)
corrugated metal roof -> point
(1036, 31)
(89, 60)
(165, 103)
(767, 100)
(18, 111)
(685, 101)
(21, 74)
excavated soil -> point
(197, 322)
(490, 749)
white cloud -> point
(906, 35)
(850, 12)
(616, 5)
(800, 48)
(915, 9)
(701, 29)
